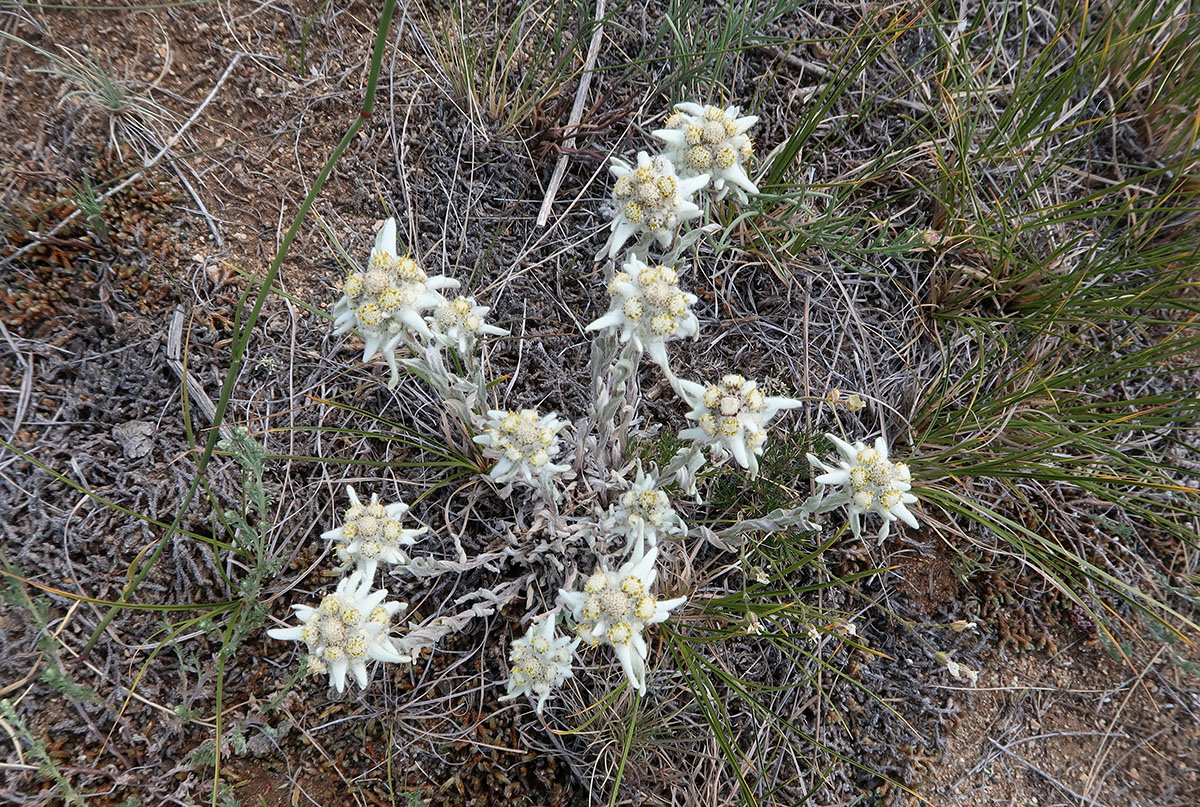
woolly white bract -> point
(458, 323)
(372, 534)
(387, 299)
(869, 482)
(347, 630)
(643, 514)
(652, 201)
(712, 141)
(523, 443)
(541, 662)
(648, 308)
(731, 417)
(614, 609)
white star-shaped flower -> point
(523, 444)
(614, 609)
(541, 661)
(348, 629)
(648, 308)
(712, 141)
(731, 417)
(459, 322)
(371, 534)
(642, 514)
(869, 482)
(652, 201)
(388, 298)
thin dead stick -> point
(175, 361)
(585, 82)
(38, 239)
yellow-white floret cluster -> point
(348, 629)
(643, 514)
(648, 308)
(541, 661)
(730, 417)
(371, 534)
(712, 141)
(652, 201)
(614, 608)
(869, 482)
(387, 299)
(459, 322)
(523, 443)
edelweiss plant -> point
(387, 300)
(614, 608)
(395, 302)
(523, 443)
(541, 661)
(731, 417)
(648, 308)
(371, 534)
(348, 629)
(708, 140)
(869, 482)
(652, 201)
(643, 514)
(458, 323)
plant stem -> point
(239, 346)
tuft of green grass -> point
(508, 64)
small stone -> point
(136, 438)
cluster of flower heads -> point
(713, 141)
(652, 201)
(394, 302)
(395, 299)
(371, 534)
(730, 417)
(352, 626)
(522, 444)
(648, 308)
(459, 322)
(869, 482)
(707, 148)
(642, 514)
(349, 628)
(614, 609)
(541, 661)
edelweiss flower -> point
(870, 484)
(541, 661)
(523, 443)
(649, 308)
(347, 630)
(372, 534)
(459, 322)
(388, 298)
(709, 140)
(731, 416)
(652, 201)
(615, 607)
(643, 513)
